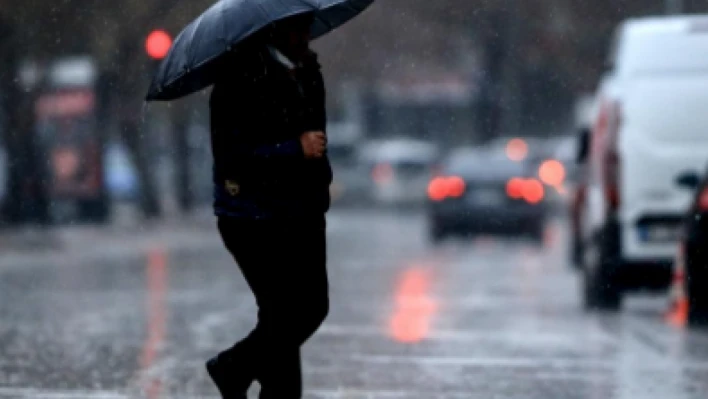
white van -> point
(651, 126)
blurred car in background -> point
(477, 192)
(120, 174)
(651, 126)
(351, 183)
(399, 170)
(551, 159)
(691, 263)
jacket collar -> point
(281, 58)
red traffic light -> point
(158, 44)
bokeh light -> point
(552, 172)
(515, 188)
(158, 44)
(437, 189)
(382, 174)
(533, 191)
(517, 149)
(455, 186)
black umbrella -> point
(186, 69)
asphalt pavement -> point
(135, 316)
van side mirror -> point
(583, 148)
(688, 180)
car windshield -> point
(481, 166)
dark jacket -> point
(259, 110)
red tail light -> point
(382, 173)
(533, 191)
(456, 187)
(612, 166)
(441, 188)
(608, 130)
(703, 200)
(552, 172)
(437, 190)
(515, 188)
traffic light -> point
(158, 44)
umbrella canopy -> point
(186, 69)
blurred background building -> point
(76, 137)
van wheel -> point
(576, 252)
(698, 312)
(601, 290)
(697, 296)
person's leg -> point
(234, 370)
(285, 266)
(292, 314)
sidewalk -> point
(127, 236)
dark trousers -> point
(284, 263)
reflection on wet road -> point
(476, 318)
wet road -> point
(483, 318)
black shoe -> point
(225, 378)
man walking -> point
(271, 178)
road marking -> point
(64, 394)
(534, 338)
(379, 394)
(483, 361)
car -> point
(650, 126)
(477, 192)
(350, 184)
(691, 262)
(548, 155)
(399, 170)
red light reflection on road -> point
(415, 307)
(156, 311)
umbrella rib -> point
(261, 9)
(197, 24)
(224, 31)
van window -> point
(664, 52)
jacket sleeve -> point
(312, 83)
(285, 149)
